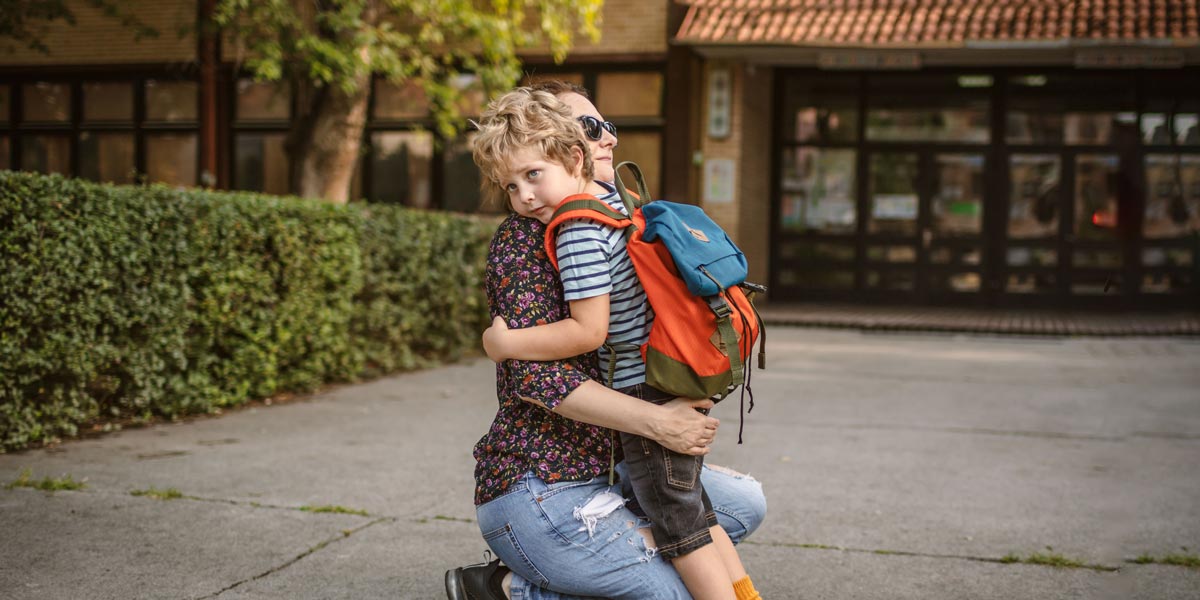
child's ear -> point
(577, 156)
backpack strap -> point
(729, 341)
(582, 206)
(630, 199)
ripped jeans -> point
(576, 538)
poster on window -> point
(895, 206)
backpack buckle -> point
(719, 306)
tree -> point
(26, 21)
(326, 51)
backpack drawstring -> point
(745, 348)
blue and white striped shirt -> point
(592, 261)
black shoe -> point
(476, 582)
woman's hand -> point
(676, 425)
(493, 340)
(683, 428)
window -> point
(106, 157)
(893, 191)
(401, 164)
(957, 207)
(822, 111)
(404, 101)
(102, 137)
(171, 158)
(108, 102)
(818, 189)
(629, 94)
(407, 162)
(261, 163)
(462, 179)
(1172, 207)
(46, 153)
(645, 149)
(171, 101)
(926, 108)
(262, 101)
(1033, 203)
(1096, 178)
(472, 97)
(47, 102)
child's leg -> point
(728, 553)
(742, 586)
(703, 572)
(667, 487)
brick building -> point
(920, 151)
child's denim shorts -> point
(667, 488)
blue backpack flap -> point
(707, 259)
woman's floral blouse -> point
(523, 287)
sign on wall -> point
(720, 96)
(719, 180)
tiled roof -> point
(938, 23)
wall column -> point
(746, 149)
(208, 53)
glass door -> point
(893, 245)
(925, 224)
(953, 237)
(1097, 253)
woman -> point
(544, 496)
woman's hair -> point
(525, 118)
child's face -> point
(535, 184)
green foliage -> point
(334, 43)
(1053, 559)
(1050, 558)
(1183, 559)
(136, 303)
(420, 301)
(47, 484)
(341, 510)
(157, 494)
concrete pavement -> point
(896, 465)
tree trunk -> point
(325, 138)
(327, 143)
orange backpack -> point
(698, 346)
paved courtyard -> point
(896, 465)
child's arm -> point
(584, 331)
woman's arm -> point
(676, 425)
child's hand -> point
(493, 340)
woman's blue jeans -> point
(577, 538)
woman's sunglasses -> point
(592, 126)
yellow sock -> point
(744, 588)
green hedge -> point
(126, 302)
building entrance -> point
(994, 188)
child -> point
(531, 148)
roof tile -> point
(934, 22)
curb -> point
(999, 323)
